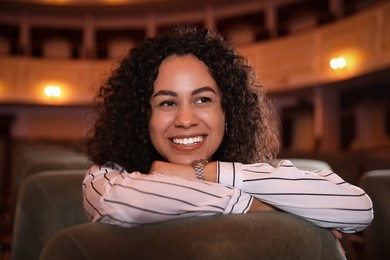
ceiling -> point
(90, 2)
(156, 2)
(112, 5)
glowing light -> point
(52, 91)
(338, 63)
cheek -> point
(218, 123)
(153, 128)
(221, 128)
(157, 126)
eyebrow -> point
(202, 89)
(165, 93)
(174, 94)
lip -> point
(187, 147)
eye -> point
(203, 100)
(167, 103)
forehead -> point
(185, 71)
(182, 60)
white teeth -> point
(188, 141)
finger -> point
(337, 234)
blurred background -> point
(324, 63)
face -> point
(187, 121)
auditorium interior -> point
(325, 64)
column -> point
(24, 36)
(336, 8)
(209, 20)
(326, 119)
(271, 18)
(151, 28)
(89, 45)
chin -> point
(182, 160)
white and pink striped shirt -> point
(114, 196)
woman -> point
(184, 130)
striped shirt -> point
(114, 196)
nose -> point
(186, 117)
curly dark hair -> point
(122, 105)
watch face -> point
(201, 162)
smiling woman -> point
(184, 130)
(187, 119)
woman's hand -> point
(338, 236)
(180, 170)
(184, 170)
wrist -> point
(210, 172)
(204, 170)
(198, 166)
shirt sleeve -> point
(321, 197)
(114, 196)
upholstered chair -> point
(377, 236)
(49, 202)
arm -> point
(113, 196)
(321, 197)
(210, 173)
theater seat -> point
(49, 202)
(377, 236)
(265, 235)
(46, 161)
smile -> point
(188, 141)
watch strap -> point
(199, 171)
(198, 166)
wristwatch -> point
(198, 166)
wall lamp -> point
(52, 91)
(338, 63)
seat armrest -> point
(266, 235)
